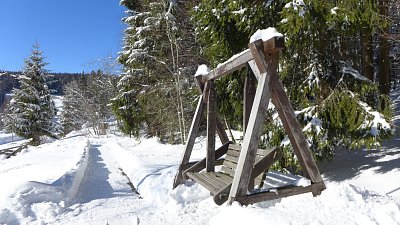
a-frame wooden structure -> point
(263, 58)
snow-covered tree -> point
(87, 101)
(159, 59)
(31, 110)
(72, 114)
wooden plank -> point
(206, 184)
(232, 152)
(214, 178)
(294, 131)
(200, 165)
(194, 128)
(279, 193)
(235, 63)
(228, 171)
(225, 178)
(211, 126)
(235, 147)
(232, 158)
(258, 112)
(273, 45)
(249, 92)
(214, 183)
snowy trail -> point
(98, 179)
(104, 197)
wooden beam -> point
(290, 123)
(279, 193)
(211, 126)
(254, 68)
(247, 156)
(294, 131)
(221, 130)
(194, 128)
(273, 45)
(249, 92)
(236, 62)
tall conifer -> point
(31, 110)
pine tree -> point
(31, 110)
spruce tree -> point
(31, 110)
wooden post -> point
(190, 142)
(247, 156)
(291, 125)
(294, 131)
(249, 92)
(211, 126)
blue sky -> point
(73, 34)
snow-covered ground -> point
(118, 180)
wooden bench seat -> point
(219, 183)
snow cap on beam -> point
(202, 70)
(265, 34)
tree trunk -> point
(383, 61)
(367, 53)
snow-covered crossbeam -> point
(273, 42)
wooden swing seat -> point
(219, 183)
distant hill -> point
(8, 81)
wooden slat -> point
(211, 126)
(280, 193)
(231, 158)
(216, 183)
(228, 171)
(258, 112)
(199, 179)
(235, 147)
(215, 179)
(233, 152)
(225, 178)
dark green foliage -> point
(224, 29)
(319, 68)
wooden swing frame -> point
(263, 59)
